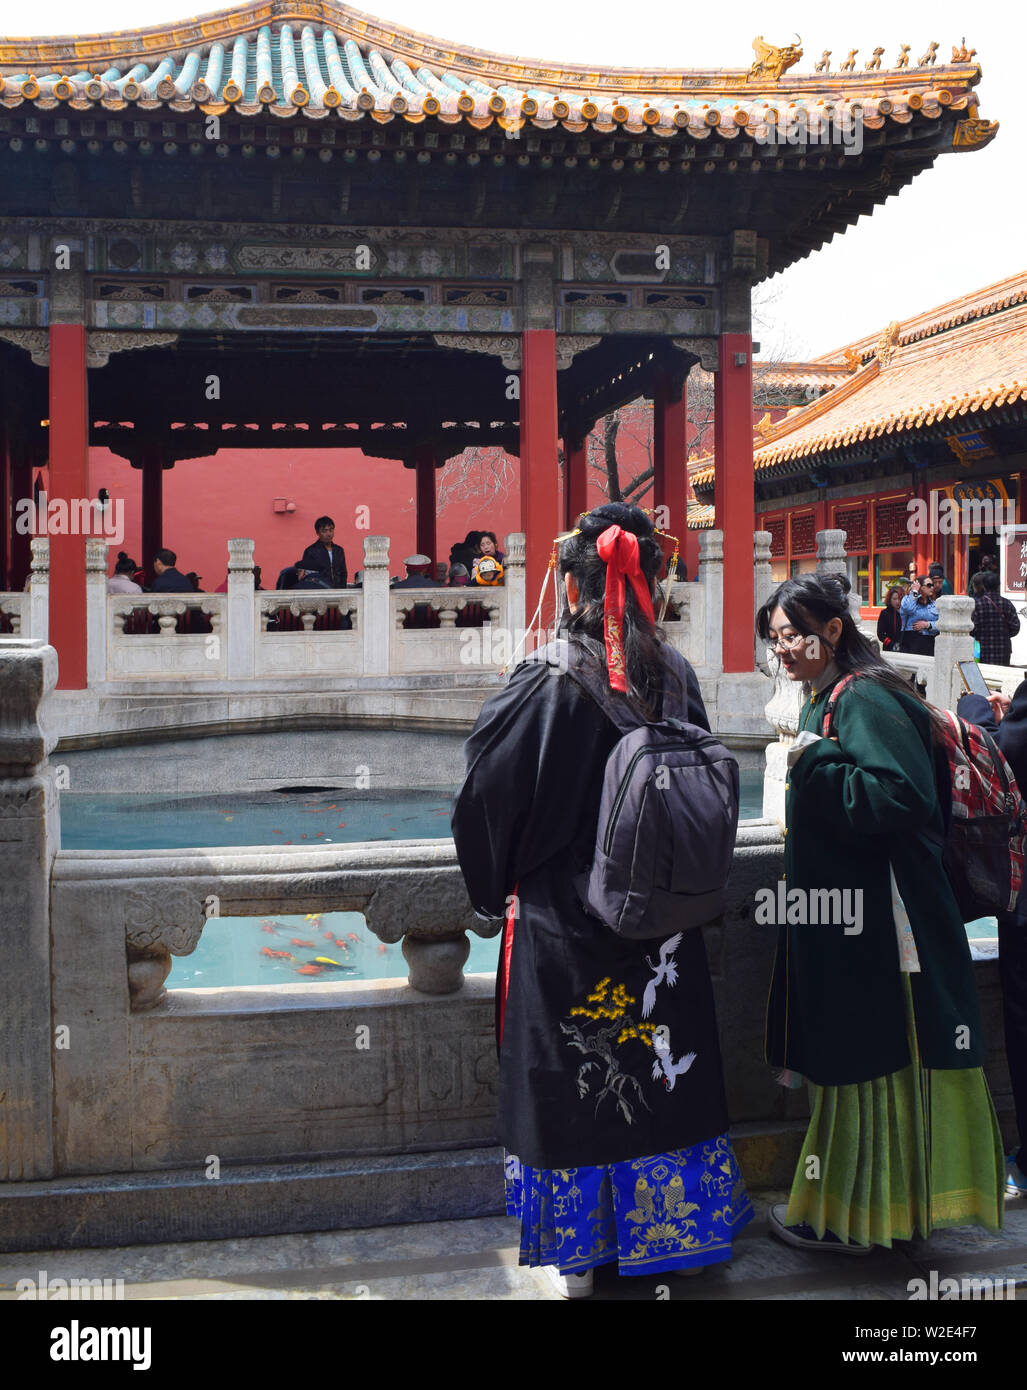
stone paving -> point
(477, 1261)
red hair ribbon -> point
(619, 549)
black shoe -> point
(806, 1238)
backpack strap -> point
(829, 711)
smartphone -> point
(972, 678)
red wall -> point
(208, 501)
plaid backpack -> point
(983, 849)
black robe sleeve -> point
(532, 760)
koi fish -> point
(341, 825)
(309, 969)
(332, 807)
(382, 948)
(271, 931)
(327, 960)
(330, 937)
(276, 955)
(339, 942)
(297, 942)
(352, 936)
(278, 832)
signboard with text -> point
(1013, 562)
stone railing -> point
(308, 633)
(180, 649)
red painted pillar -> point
(69, 481)
(540, 483)
(1021, 500)
(575, 490)
(670, 463)
(424, 463)
(735, 494)
(820, 519)
(152, 465)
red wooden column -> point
(735, 494)
(575, 487)
(1021, 500)
(670, 462)
(151, 462)
(424, 464)
(69, 481)
(540, 479)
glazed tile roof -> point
(992, 299)
(317, 56)
(913, 381)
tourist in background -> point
(919, 618)
(877, 1011)
(325, 556)
(995, 621)
(418, 576)
(605, 1153)
(464, 551)
(458, 576)
(121, 581)
(1006, 721)
(936, 574)
(168, 579)
(985, 565)
(889, 620)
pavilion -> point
(290, 223)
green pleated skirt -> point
(902, 1155)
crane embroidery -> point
(666, 973)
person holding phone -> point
(1006, 721)
(919, 617)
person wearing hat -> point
(418, 574)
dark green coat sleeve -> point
(878, 774)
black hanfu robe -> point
(582, 1080)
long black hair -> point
(647, 671)
(809, 602)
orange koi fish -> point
(309, 969)
(297, 942)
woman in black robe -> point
(611, 1095)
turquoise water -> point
(238, 950)
(275, 950)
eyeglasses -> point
(789, 644)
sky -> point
(958, 226)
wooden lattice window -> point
(804, 534)
(853, 521)
(777, 533)
(891, 523)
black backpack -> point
(668, 814)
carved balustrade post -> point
(954, 643)
(96, 611)
(39, 590)
(377, 640)
(711, 576)
(242, 636)
(29, 841)
(513, 579)
(831, 559)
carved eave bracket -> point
(507, 346)
(99, 344)
(704, 350)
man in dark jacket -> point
(995, 622)
(1007, 722)
(324, 555)
(167, 579)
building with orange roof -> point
(932, 411)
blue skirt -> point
(667, 1212)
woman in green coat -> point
(873, 1000)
